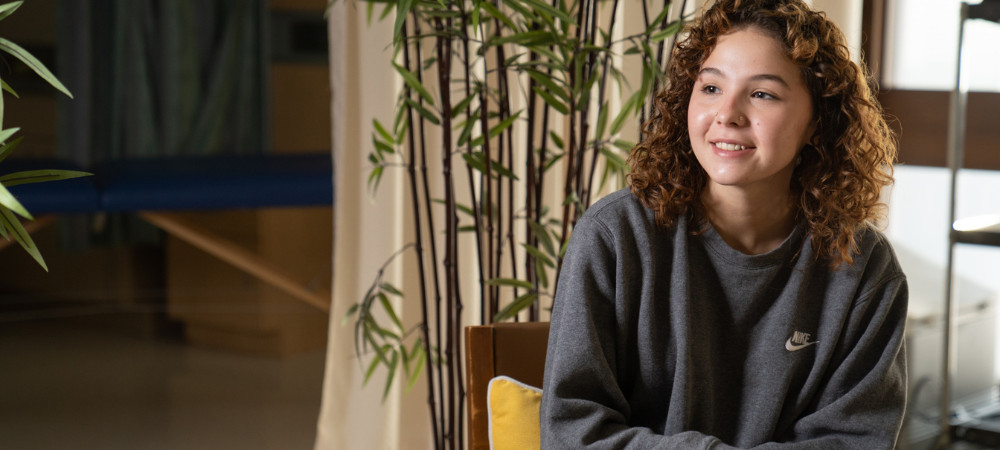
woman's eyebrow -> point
(760, 77)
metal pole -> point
(956, 150)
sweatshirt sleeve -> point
(859, 406)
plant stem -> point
(411, 170)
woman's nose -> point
(730, 113)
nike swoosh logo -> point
(792, 347)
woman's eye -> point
(762, 95)
(709, 89)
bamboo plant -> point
(555, 59)
(10, 225)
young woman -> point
(737, 295)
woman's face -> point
(750, 113)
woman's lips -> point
(731, 147)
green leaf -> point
(551, 101)
(417, 354)
(509, 282)
(543, 236)
(632, 51)
(602, 122)
(543, 277)
(548, 9)
(671, 29)
(551, 162)
(6, 134)
(515, 307)
(7, 199)
(527, 38)
(478, 162)
(402, 10)
(624, 145)
(381, 130)
(371, 367)
(422, 111)
(498, 15)
(38, 176)
(459, 206)
(475, 18)
(350, 312)
(613, 158)
(562, 249)
(9, 147)
(391, 289)
(375, 177)
(464, 104)
(557, 140)
(506, 123)
(392, 374)
(387, 305)
(34, 64)
(570, 199)
(656, 22)
(465, 229)
(7, 88)
(625, 112)
(467, 127)
(21, 236)
(382, 147)
(549, 84)
(413, 82)
(7, 9)
(539, 256)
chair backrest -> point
(516, 350)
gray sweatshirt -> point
(663, 340)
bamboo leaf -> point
(625, 146)
(498, 15)
(6, 134)
(467, 127)
(350, 312)
(543, 277)
(34, 64)
(551, 101)
(509, 282)
(527, 38)
(625, 112)
(38, 176)
(381, 146)
(9, 202)
(418, 355)
(515, 307)
(375, 177)
(543, 236)
(670, 30)
(549, 84)
(613, 158)
(382, 131)
(656, 22)
(391, 289)
(551, 162)
(371, 367)
(602, 122)
(413, 82)
(459, 206)
(475, 17)
(391, 376)
(539, 256)
(500, 127)
(7, 9)
(570, 199)
(7, 88)
(557, 140)
(402, 10)
(21, 236)
(562, 250)
(465, 229)
(422, 111)
(387, 305)
(548, 9)
(464, 104)
(9, 147)
(632, 51)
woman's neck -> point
(752, 221)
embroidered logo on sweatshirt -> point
(798, 341)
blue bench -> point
(151, 188)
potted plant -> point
(489, 80)
(10, 225)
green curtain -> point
(159, 78)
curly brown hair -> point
(836, 188)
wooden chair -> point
(516, 350)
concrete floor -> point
(81, 384)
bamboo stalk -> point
(443, 46)
(600, 103)
(419, 244)
(427, 202)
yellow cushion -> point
(513, 411)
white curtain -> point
(367, 232)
